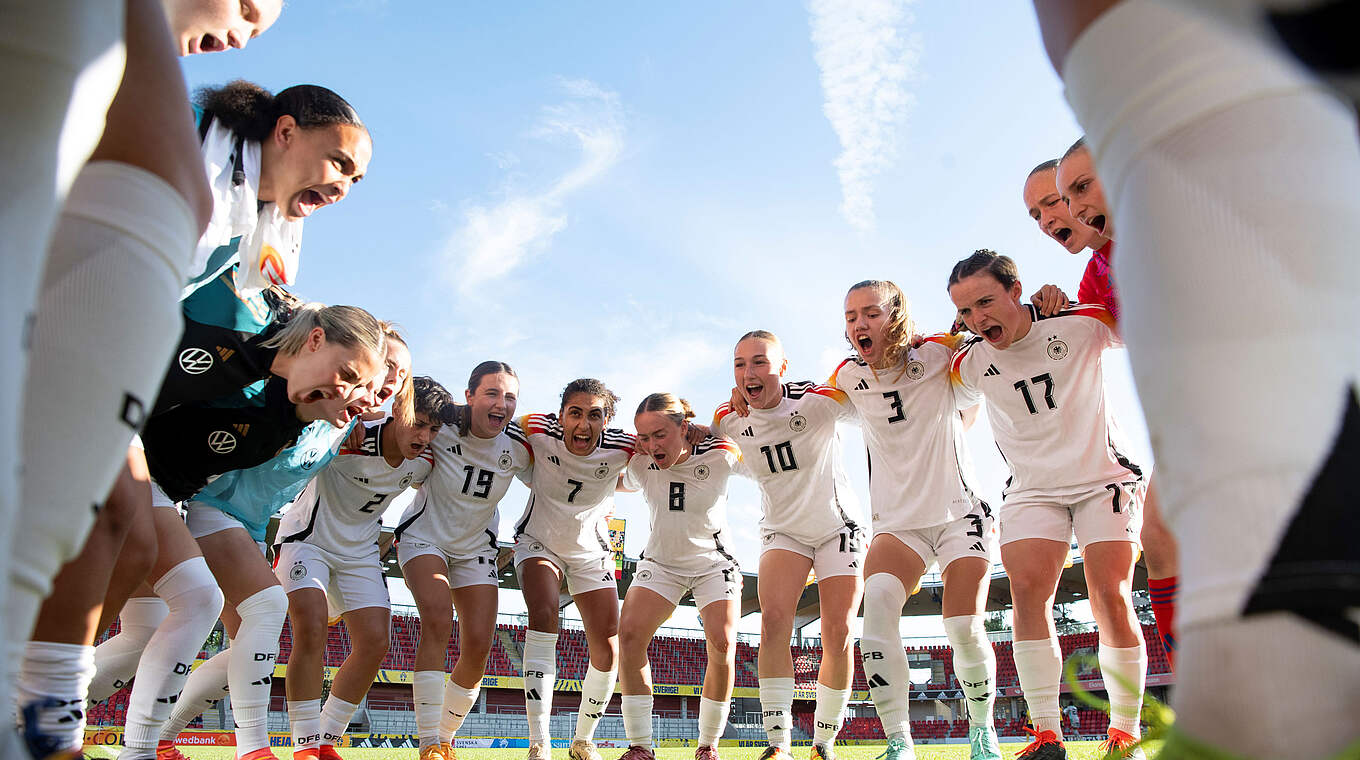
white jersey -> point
(919, 468)
(341, 509)
(688, 503)
(794, 453)
(457, 509)
(572, 497)
(1046, 402)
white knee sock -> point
(458, 703)
(974, 664)
(885, 661)
(191, 595)
(335, 720)
(1039, 665)
(776, 710)
(63, 61)
(1124, 669)
(251, 669)
(206, 686)
(540, 674)
(116, 260)
(51, 694)
(712, 720)
(828, 714)
(304, 718)
(427, 689)
(115, 661)
(596, 689)
(637, 719)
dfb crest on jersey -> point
(195, 361)
(1057, 350)
(798, 423)
(701, 472)
(298, 572)
(310, 458)
(767, 538)
(915, 370)
(505, 461)
(643, 575)
(221, 442)
(602, 472)
(405, 481)
(535, 547)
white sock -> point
(637, 719)
(304, 718)
(51, 692)
(974, 664)
(427, 689)
(115, 260)
(251, 669)
(1124, 669)
(885, 661)
(540, 674)
(1039, 664)
(191, 595)
(458, 703)
(335, 720)
(829, 714)
(596, 689)
(712, 720)
(115, 661)
(776, 710)
(206, 686)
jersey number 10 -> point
(784, 453)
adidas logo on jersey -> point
(532, 694)
(225, 353)
(862, 385)
(992, 371)
(242, 427)
(748, 432)
(977, 546)
(878, 680)
(553, 458)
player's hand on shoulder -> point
(1050, 300)
(738, 403)
(696, 433)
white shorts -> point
(160, 499)
(973, 535)
(478, 570)
(349, 584)
(204, 520)
(1113, 513)
(842, 554)
(584, 573)
(720, 584)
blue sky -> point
(620, 190)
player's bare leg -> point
(1108, 566)
(1163, 566)
(1033, 566)
(779, 584)
(476, 607)
(966, 581)
(540, 581)
(600, 616)
(720, 636)
(643, 612)
(891, 571)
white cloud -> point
(866, 58)
(494, 239)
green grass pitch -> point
(1075, 751)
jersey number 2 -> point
(373, 502)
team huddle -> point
(235, 401)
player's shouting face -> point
(865, 319)
(1046, 207)
(990, 309)
(583, 417)
(493, 403)
(413, 439)
(660, 437)
(759, 366)
(1080, 187)
(305, 168)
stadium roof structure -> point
(926, 601)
